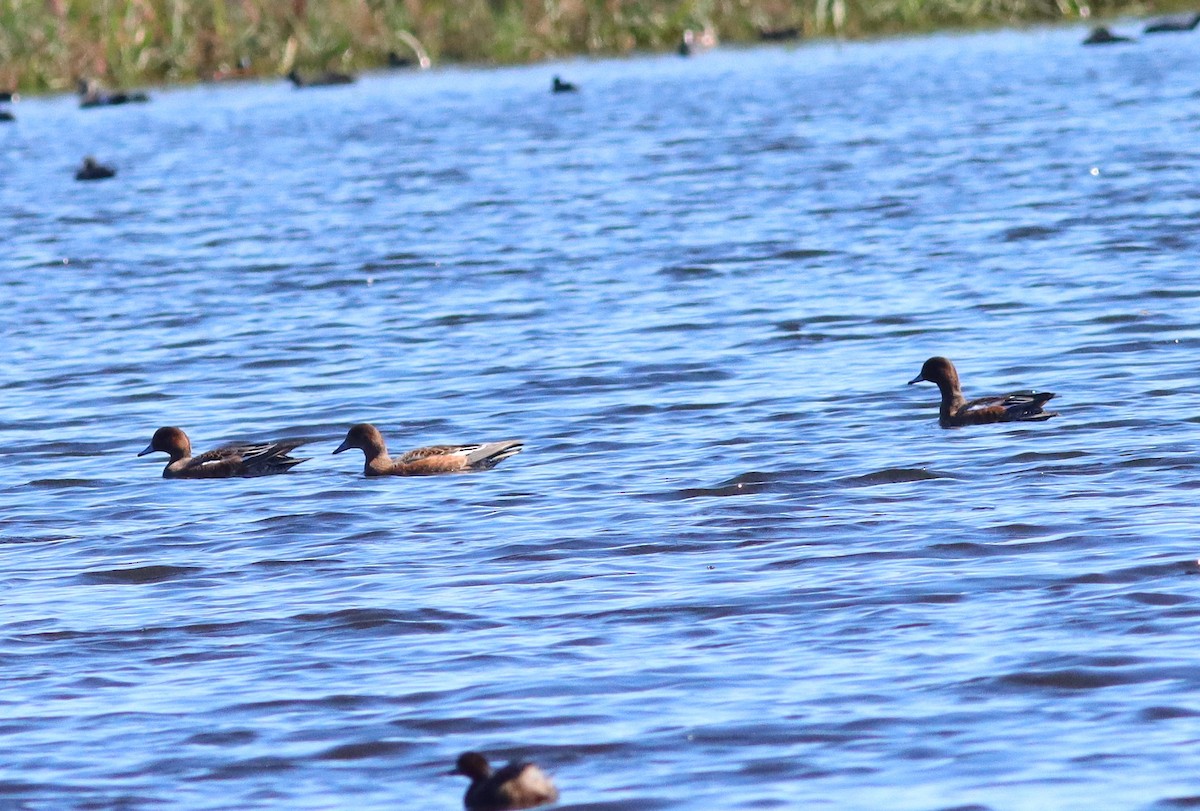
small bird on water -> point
(955, 410)
(424, 461)
(559, 86)
(517, 785)
(90, 169)
(328, 78)
(228, 461)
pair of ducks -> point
(272, 457)
(265, 458)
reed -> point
(48, 44)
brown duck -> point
(517, 785)
(956, 410)
(425, 461)
(226, 462)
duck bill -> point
(344, 446)
(917, 379)
(149, 449)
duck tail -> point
(490, 454)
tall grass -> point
(47, 44)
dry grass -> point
(47, 44)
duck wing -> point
(1015, 406)
(454, 458)
(522, 785)
(243, 459)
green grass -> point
(47, 44)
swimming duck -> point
(1165, 25)
(90, 169)
(326, 79)
(228, 461)
(559, 86)
(1102, 36)
(6, 115)
(424, 461)
(955, 411)
(517, 785)
(90, 95)
(779, 34)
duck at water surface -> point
(91, 169)
(327, 79)
(517, 785)
(228, 461)
(92, 95)
(1102, 36)
(424, 461)
(955, 411)
(1177, 24)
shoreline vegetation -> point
(48, 45)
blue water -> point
(738, 565)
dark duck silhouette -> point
(327, 78)
(227, 461)
(90, 169)
(91, 95)
(1174, 24)
(1102, 36)
(559, 86)
(516, 785)
(425, 461)
(955, 411)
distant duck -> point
(686, 43)
(1102, 36)
(517, 785)
(228, 461)
(90, 169)
(9, 95)
(6, 115)
(91, 95)
(328, 78)
(778, 34)
(559, 86)
(691, 42)
(424, 461)
(955, 411)
(1165, 25)
(225, 73)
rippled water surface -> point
(738, 565)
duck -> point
(6, 115)
(1102, 36)
(325, 79)
(424, 461)
(779, 34)
(1166, 25)
(516, 785)
(90, 95)
(559, 86)
(91, 169)
(955, 411)
(227, 461)
(693, 42)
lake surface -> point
(739, 565)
